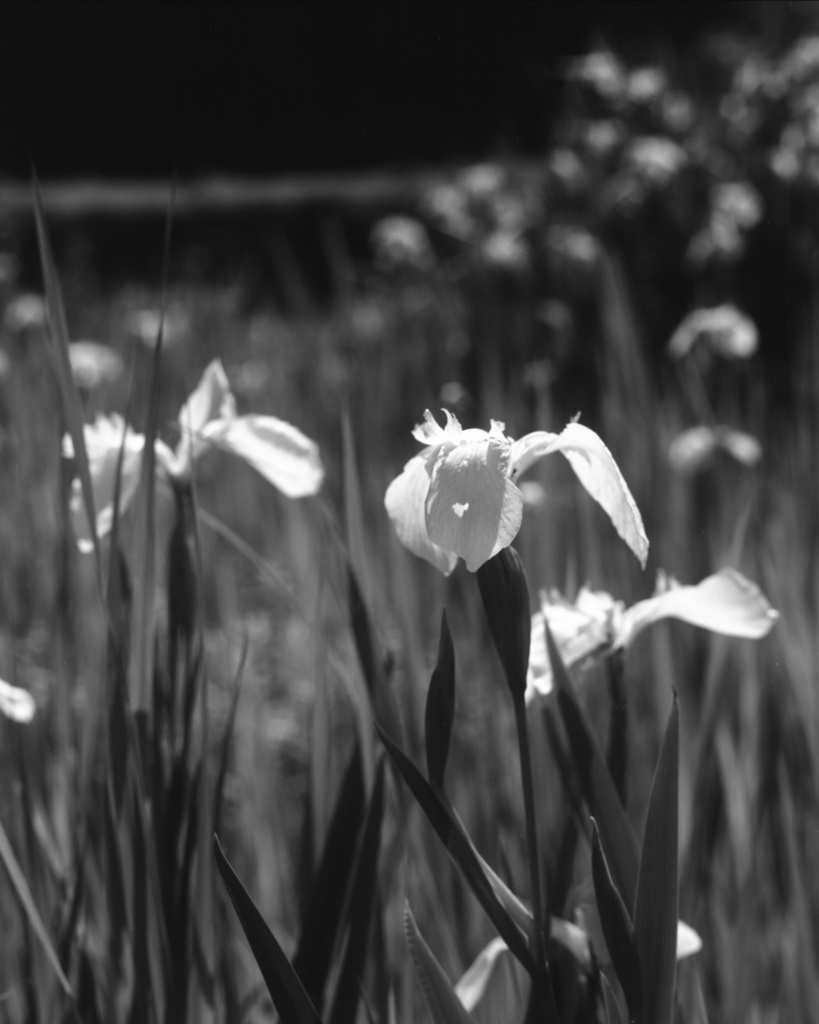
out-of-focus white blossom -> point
(724, 329)
(691, 450)
(25, 312)
(94, 364)
(401, 242)
(208, 420)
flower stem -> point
(538, 940)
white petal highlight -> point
(726, 603)
(688, 941)
(405, 503)
(278, 451)
(472, 985)
(210, 400)
(596, 469)
(16, 704)
(473, 473)
(103, 439)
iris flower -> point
(597, 624)
(275, 449)
(458, 497)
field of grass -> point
(235, 661)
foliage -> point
(226, 657)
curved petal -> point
(596, 469)
(210, 401)
(472, 507)
(16, 704)
(726, 603)
(431, 433)
(103, 440)
(473, 983)
(278, 451)
(405, 502)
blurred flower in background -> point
(596, 624)
(401, 242)
(208, 420)
(94, 364)
(724, 330)
(694, 448)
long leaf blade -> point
(440, 708)
(323, 916)
(287, 992)
(360, 913)
(655, 911)
(60, 342)
(460, 849)
(444, 1004)
(596, 784)
(21, 888)
(617, 927)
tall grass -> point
(274, 633)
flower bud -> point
(505, 594)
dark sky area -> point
(134, 89)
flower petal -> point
(596, 469)
(210, 400)
(688, 941)
(280, 452)
(430, 432)
(472, 985)
(405, 502)
(16, 704)
(726, 603)
(472, 507)
(103, 440)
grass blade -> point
(72, 403)
(617, 927)
(360, 911)
(20, 886)
(444, 1004)
(460, 849)
(287, 992)
(321, 923)
(440, 709)
(655, 910)
(596, 784)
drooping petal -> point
(16, 704)
(103, 440)
(596, 469)
(472, 507)
(726, 603)
(278, 451)
(405, 502)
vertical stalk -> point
(538, 939)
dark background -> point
(136, 89)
